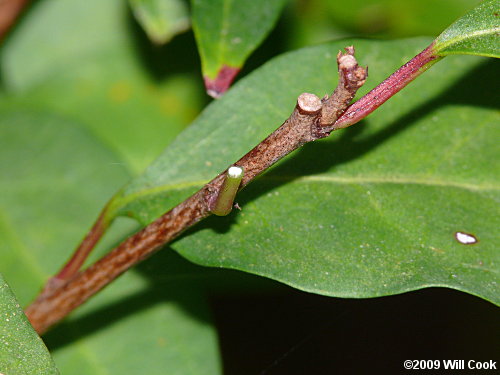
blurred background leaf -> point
(316, 21)
(99, 76)
(161, 19)
(227, 32)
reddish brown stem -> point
(9, 13)
(49, 308)
(304, 125)
(391, 86)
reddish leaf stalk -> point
(82, 252)
(304, 125)
(391, 86)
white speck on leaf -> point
(465, 238)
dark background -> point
(292, 332)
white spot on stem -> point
(235, 172)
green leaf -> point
(161, 19)
(53, 184)
(370, 211)
(227, 32)
(23, 352)
(476, 33)
(59, 39)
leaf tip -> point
(220, 84)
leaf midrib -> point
(397, 180)
(224, 31)
(462, 37)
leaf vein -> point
(123, 200)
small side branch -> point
(304, 125)
(351, 78)
(388, 88)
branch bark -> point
(311, 119)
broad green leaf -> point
(49, 63)
(22, 351)
(161, 19)
(56, 33)
(227, 32)
(370, 211)
(54, 178)
(476, 33)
